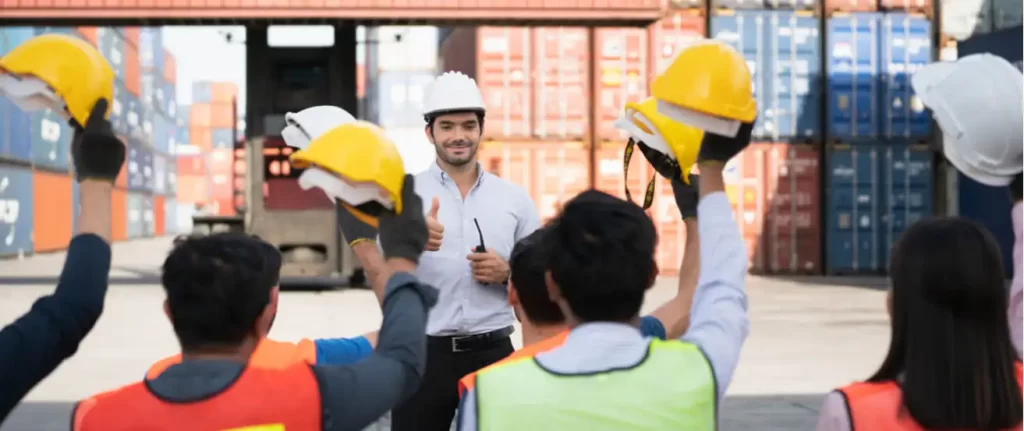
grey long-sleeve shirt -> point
(353, 396)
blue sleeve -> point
(652, 327)
(342, 351)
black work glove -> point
(687, 195)
(96, 152)
(405, 235)
(353, 229)
(1015, 189)
(720, 148)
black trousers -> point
(433, 406)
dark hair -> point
(951, 344)
(528, 265)
(217, 286)
(600, 252)
(431, 117)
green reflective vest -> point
(672, 388)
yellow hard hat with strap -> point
(358, 165)
(670, 147)
(58, 72)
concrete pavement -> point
(808, 335)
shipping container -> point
(621, 72)
(131, 35)
(14, 36)
(832, 6)
(550, 172)
(183, 212)
(906, 46)
(906, 190)
(916, 6)
(170, 68)
(89, 34)
(122, 176)
(119, 215)
(135, 161)
(984, 204)
(670, 228)
(764, 4)
(285, 194)
(170, 217)
(793, 243)
(403, 48)
(169, 106)
(147, 170)
(111, 45)
(52, 211)
(134, 216)
(135, 119)
(132, 68)
(609, 173)
(51, 141)
(159, 174)
(15, 132)
(148, 216)
(361, 83)
(675, 32)
(223, 138)
(151, 48)
(161, 135)
(147, 125)
(747, 186)
(853, 73)
(417, 152)
(783, 48)
(171, 175)
(214, 93)
(193, 189)
(216, 115)
(222, 161)
(159, 216)
(119, 110)
(192, 165)
(500, 59)
(16, 210)
(399, 98)
(149, 83)
(201, 138)
(70, 31)
(561, 82)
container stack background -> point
(38, 194)
(841, 161)
(212, 121)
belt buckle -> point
(455, 343)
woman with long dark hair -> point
(951, 362)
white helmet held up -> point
(452, 92)
(978, 102)
(308, 124)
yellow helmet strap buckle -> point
(649, 194)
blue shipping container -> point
(170, 216)
(135, 120)
(147, 125)
(15, 132)
(852, 84)
(148, 85)
(134, 160)
(906, 46)
(15, 210)
(202, 92)
(134, 208)
(783, 50)
(159, 174)
(984, 204)
(874, 192)
(151, 48)
(119, 110)
(70, 31)
(161, 135)
(148, 217)
(172, 176)
(111, 45)
(183, 138)
(147, 170)
(51, 140)
(11, 37)
(400, 98)
(223, 139)
(169, 105)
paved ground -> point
(808, 336)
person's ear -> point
(513, 297)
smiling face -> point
(456, 137)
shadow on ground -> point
(860, 282)
(740, 413)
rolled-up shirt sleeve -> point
(834, 414)
(1016, 313)
(719, 324)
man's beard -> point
(442, 153)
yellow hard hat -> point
(356, 164)
(58, 72)
(708, 86)
(670, 147)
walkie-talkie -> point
(482, 248)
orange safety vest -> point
(268, 354)
(259, 400)
(469, 381)
(878, 406)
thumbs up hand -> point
(434, 228)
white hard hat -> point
(978, 102)
(308, 124)
(453, 92)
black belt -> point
(467, 343)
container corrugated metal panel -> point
(131, 35)
(51, 141)
(161, 135)
(159, 216)
(168, 96)
(170, 68)
(906, 46)
(193, 189)
(132, 68)
(16, 35)
(134, 161)
(221, 161)
(147, 170)
(111, 45)
(550, 172)
(159, 174)
(201, 138)
(172, 175)
(793, 243)
(917, 6)
(217, 115)
(223, 139)
(171, 216)
(764, 4)
(989, 205)
(151, 47)
(89, 34)
(675, 32)
(15, 132)
(784, 46)
(906, 191)
(147, 125)
(149, 83)
(119, 215)
(561, 98)
(608, 172)
(119, 110)
(400, 98)
(70, 31)
(52, 211)
(416, 51)
(746, 186)
(621, 74)
(192, 165)
(208, 92)
(134, 118)
(853, 68)
(16, 215)
(148, 216)
(850, 6)
(963, 18)
(134, 208)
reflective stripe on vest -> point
(466, 383)
(259, 400)
(879, 406)
(672, 388)
(268, 354)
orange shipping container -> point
(191, 165)
(561, 85)
(223, 93)
(131, 36)
(52, 212)
(621, 74)
(201, 138)
(159, 223)
(360, 80)
(212, 115)
(89, 34)
(193, 189)
(608, 173)
(133, 69)
(119, 215)
(850, 6)
(498, 58)
(673, 33)
(221, 187)
(221, 162)
(551, 172)
(170, 68)
(224, 207)
(746, 185)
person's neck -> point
(463, 175)
(533, 334)
(239, 353)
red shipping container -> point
(191, 165)
(133, 69)
(360, 80)
(201, 138)
(52, 214)
(131, 36)
(561, 82)
(746, 185)
(680, 29)
(119, 215)
(850, 6)
(221, 186)
(221, 162)
(621, 71)
(212, 115)
(608, 172)
(89, 34)
(159, 214)
(551, 172)
(498, 58)
(671, 229)
(794, 211)
(170, 68)
(285, 194)
(193, 189)
(223, 207)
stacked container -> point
(878, 164)
(211, 127)
(159, 100)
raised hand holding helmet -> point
(404, 234)
(687, 196)
(96, 152)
